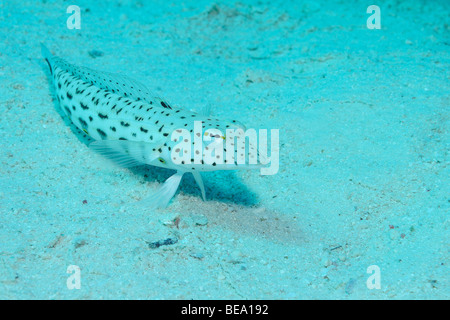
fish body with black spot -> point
(130, 125)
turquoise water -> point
(358, 209)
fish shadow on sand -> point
(222, 186)
(229, 190)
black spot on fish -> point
(113, 129)
(83, 123)
(124, 124)
(68, 111)
(69, 96)
(144, 130)
(101, 133)
(123, 139)
(160, 129)
(165, 134)
(90, 118)
(165, 105)
(133, 134)
(102, 116)
(83, 106)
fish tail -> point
(47, 56)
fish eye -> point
(234, 124)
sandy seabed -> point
(364, 153)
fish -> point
(131, 126)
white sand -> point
(364, 136)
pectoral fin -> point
(126, 153)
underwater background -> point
(358, 209)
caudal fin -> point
(47, 56)
(45, 52)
